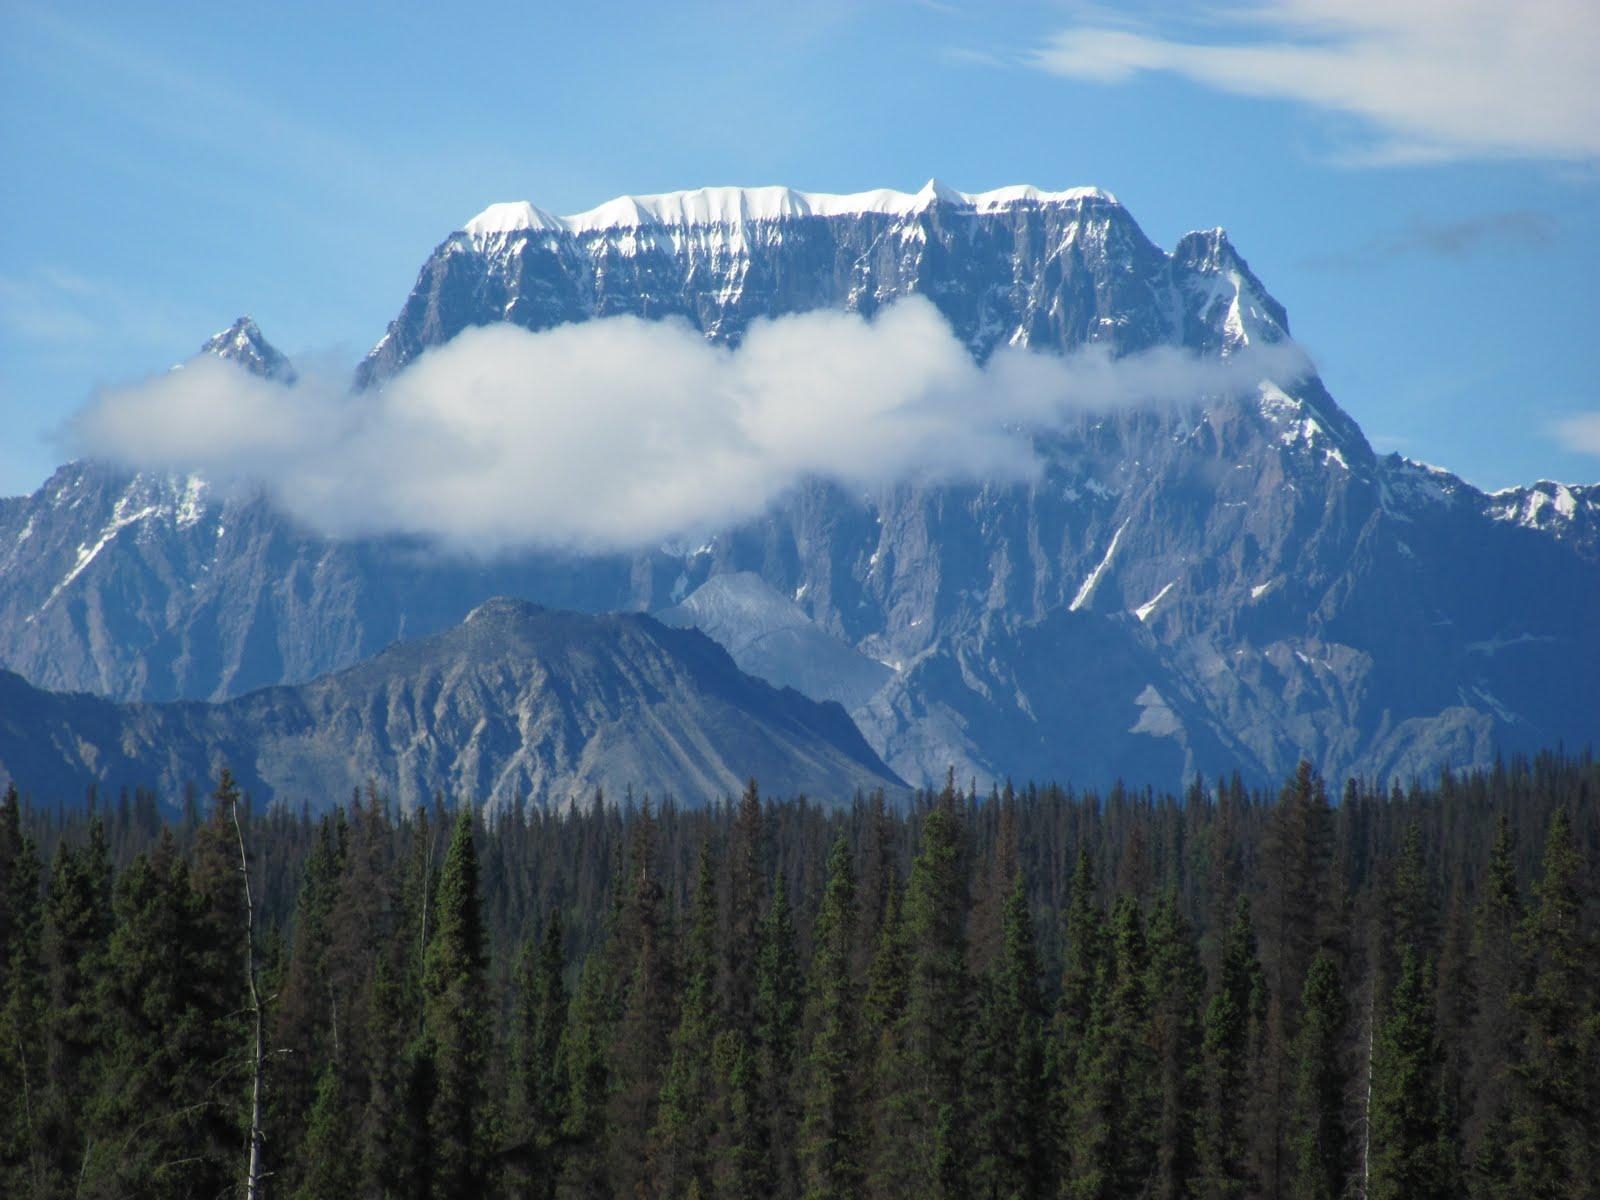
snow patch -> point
(735, 206)
(1093, 580)
(1149, 606)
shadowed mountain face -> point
(1233, 584)
(517, 702)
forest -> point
(1382, 993)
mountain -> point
(517, 702)
(770, 636)
(1231, 584)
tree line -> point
(1031, 993)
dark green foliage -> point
(1552, 1126)
(456, 1023)
(1317, 1132)
(663, 1003)
(1406, 1163)
(1011, 1111)
(831, 1144)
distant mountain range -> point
(517, 703)
(1227, 585)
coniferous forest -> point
(1035, 993)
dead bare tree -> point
(252, 1183)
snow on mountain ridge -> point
(738, 205)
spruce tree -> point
(1405, 1162)
(779, 998)
(22, 1005)
(933, 1026)
(456, 1022)
(1495, 974)
(1175, 985)
(831, 1133)
(1011, 1099)
(685, 1122)
(1231, 1030)
(1553, 1119)
(538, 1104)
(1317, 1132)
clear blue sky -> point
(1420, 193)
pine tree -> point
(1405, 1161)
(1317, 1134)
(1232, 1028)
(934, 1024)
(1553, 1118)
(681, 1140)
(457, 1022)
(1176, 982)
(1114, 1107)
(22, 1005)
(641, 1039)
(1011, 1101)
(76, 927)
(392, 1142)
(166, 1045)
(538, 1107)
(329, 1168)
(778, 1003)
(831, 1133)
(1495, 973)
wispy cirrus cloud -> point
(1430, 80)
(1427, 237)
(1579, 432)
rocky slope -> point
(1233, 583)
(516, 703)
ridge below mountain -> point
(516, 703)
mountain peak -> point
(733, 206)
(243, 343)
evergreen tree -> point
(1317, 1134)
(329, 1169)
(1232, 1029)
(1114, 1109)
(457, 1022)
(682, 1137)
(1011, 1113)
(22, 1005)
(76, 926)
(1405, 1163)
(1552, 1123)
(392, 1141)
(1176, 982)
(779, 998)
(641, 1041)
(933, 1026)
(1495, 974)
(831, 1132)
(538, 1108)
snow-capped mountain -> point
(1232, 584)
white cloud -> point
(1580, 432)
(623, 432)
(1433, 79)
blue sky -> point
(1416, 180)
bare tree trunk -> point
(1366, 1114)
(252, 1182)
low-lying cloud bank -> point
(621, 433)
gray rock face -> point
(516, 703)
(1232, 584)
(771, 637)
(243, 343)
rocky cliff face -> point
(1234, 583)
(516, 703)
